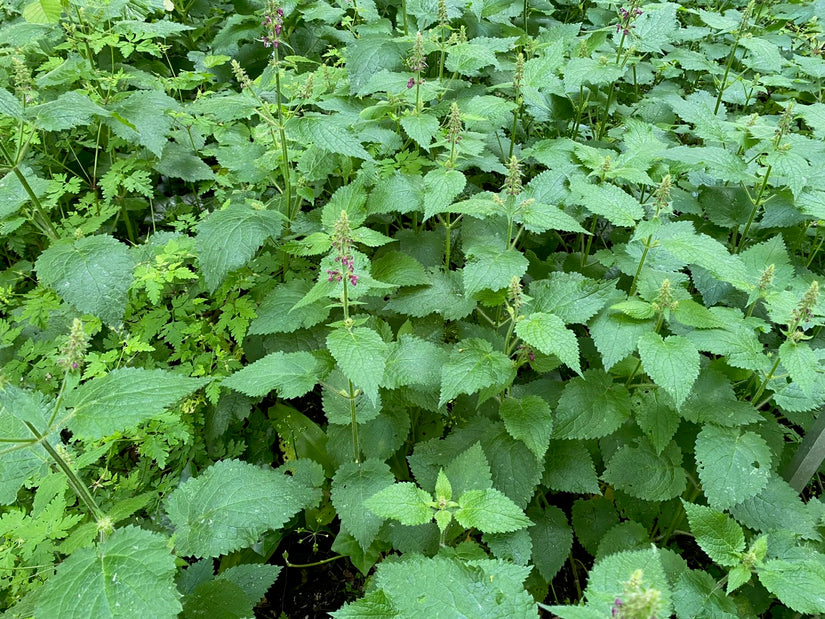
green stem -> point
(354, 421)
(447, 241)
(814, 252)
(74, 481)
(756, 204)
(767, 379)
(586, 251)
(639, 268)
(513, 133)
(315, 564)
(282, 134)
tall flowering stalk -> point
(417, 63)
(518, 81)
(661, 201)
(625, 25)
(342, 246)
(273, 22)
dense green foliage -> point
(518, 301)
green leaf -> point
(537, 217)
(12, 194)
(43, 11)
(444, 296)
(672, 363)
(592, 519)
(445, 588)
(352, 485)
(616, 335)
(131, 573)
(366, 56)
(493, 269)
(733, 464)
(801, 363)
(655, 417)
(93, 273)
(489, 511)
(717, 534)
(362, 356)
(146, 111)
(515, 547)
(404, 502)
(274, 315)
(329, 133)
(635, 308)
(737, 577)
(591, 406)
(552, 540)
(799, 584)
(124, 398)
(71, 109)
(18, 406)
(529, 420)
(547, 333)
(413, 361)
(469, 470)
(401, 193)
(179, 161)
(569, 468)
(570, 296)
(230, 505)
(292, 374)
(713, 400)
(697, 594)
(227, 239)
(694, 314)
(777, 507)
(373, 605)
(641, 472)
(443, 488)
(398, 268)
(421, 127)
(474, 365)
(441, 186)
(217, 598)
(608, 578)
(608, 201)
(254, 579)
(9, 105)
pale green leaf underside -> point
(230, 505)
(124, 398)
(292, 374)
(94, 274)
(130, 574)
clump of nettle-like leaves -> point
(508, 307)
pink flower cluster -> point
(626, 18)
(348, 272)
(274, 23)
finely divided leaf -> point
(130, 574)
(228, 239)
(362, 356)
(734, 465)
(230, 505)
(94, 274)
(124, 398)
(672, 363)
(474, 365)
(547, 333)
(490, 511)
(292, 374)
(354, 483)
(717, 534)
(404, 502)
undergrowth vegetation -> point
(515, 303)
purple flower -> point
(411, 83)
